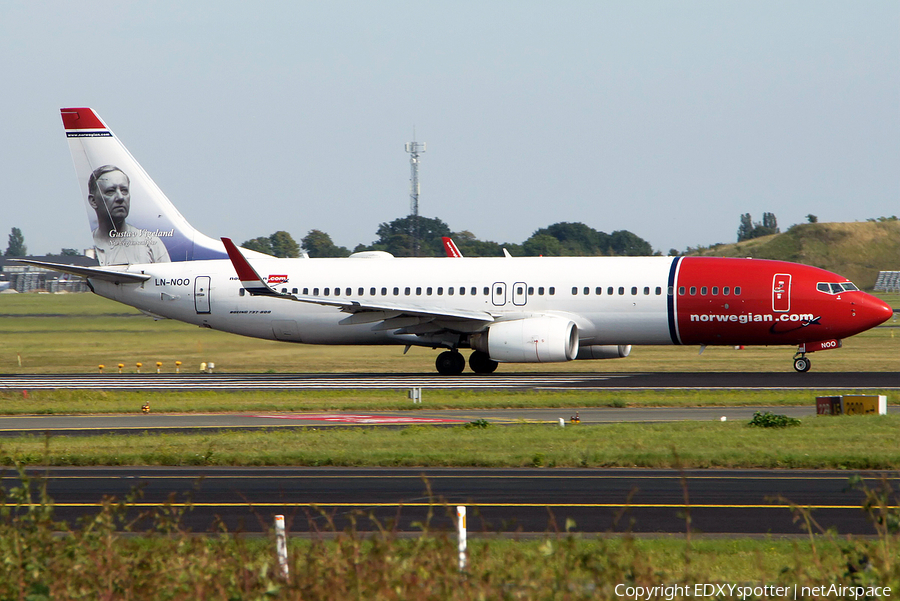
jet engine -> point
(532, 340)
(604, 351)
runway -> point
(498, 501)
(540, 381)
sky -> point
(668, 119)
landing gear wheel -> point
(450, 363)
(802, 364)
(481, 363)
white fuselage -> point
(507, 288)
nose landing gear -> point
(801, 363)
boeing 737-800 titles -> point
(506, 309)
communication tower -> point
(414, 149)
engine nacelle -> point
(533, 340)
(604, 351)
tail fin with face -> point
(131, 219)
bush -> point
(772, 420)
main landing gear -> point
(452, 363)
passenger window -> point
(406, 291)
(633, 290)
(371, 292)
(487, 291)
(703, 291)
(531, 290)
(450, 291)
(327, 290)
(552, 290)
(241, 292)
(609, 290)
(473, 291)
(306, 291)
(693, 290)
(574, 291)
(284, 290)
(598, 290)
(715, 290)
(681, 291)
(315, 292)
(659, 291)
(294, 291)
(396, 291)
(428, 291)
(647, 290)
(440, 290)
(499, 291)
(737, 290)
(360, 291)
(726, 290)
(540, 291)
(621, 290)
(519, 290)
(418, 291)
(349, 292)
(384, 292)
(587, 290)
(462, 290)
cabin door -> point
(781, 292)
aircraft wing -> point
(96, 273)
(409, 317)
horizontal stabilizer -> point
(95, 273)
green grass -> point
(860, 442)
(74, 333)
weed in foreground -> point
(43, 558)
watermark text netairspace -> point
(746, 591)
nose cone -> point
(872, 311)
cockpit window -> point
(835, 288)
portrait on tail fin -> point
(116, 241)
(131, 219)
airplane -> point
(452, 251)
(450, 248)
(505, 309)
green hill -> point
(856, 250)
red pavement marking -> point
(362, 419)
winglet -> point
(250, 280)
(450, 248)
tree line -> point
(398, 238)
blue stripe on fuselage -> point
(671, 300)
